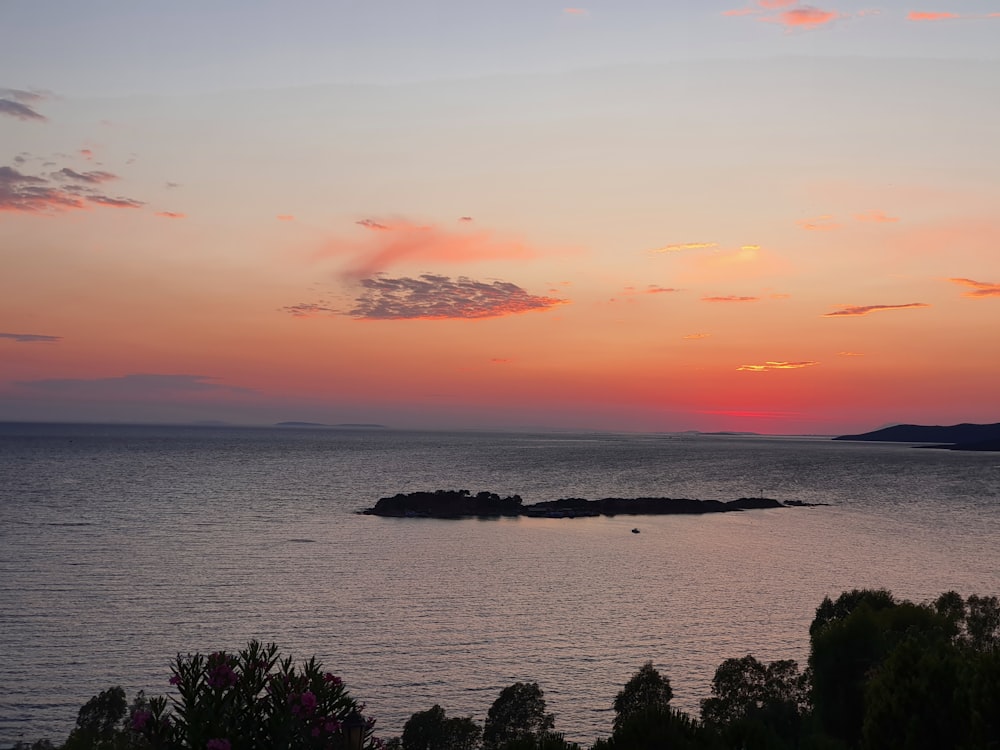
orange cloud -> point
(767, 366)
(171, 215)
(391, 243)
(676, 248)
(823, 223)
(847, 310)
(576, 11)
(730, 298)
(979, 288)
(920, 16)
(806, 17)
(86, 153)
(774, 4)
(696, 336)
(285, 217)
(850, 354)
(876, 217)
(653, 289)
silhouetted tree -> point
(754, 705)
(433, 730)
(645, 691)
(517, 714)
(849, 646)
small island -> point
(463, 504)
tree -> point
(657, 727)
(744, 691)
(850, 642)
(647, 690)
(517, 714)
(433, 730)
(99, 720)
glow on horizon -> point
(724, 216)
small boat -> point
(635, 531)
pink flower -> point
(331, 678)
(175, 680)
(332, 726)
(218, 744)
(308, 700)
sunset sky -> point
(627, 215)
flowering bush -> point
(249, 701)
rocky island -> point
(463, 504)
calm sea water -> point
(122, 546)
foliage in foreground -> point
(882, 674)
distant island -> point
(463, 504)
(344, 426)
(959, 437)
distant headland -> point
(463, 504)
(321, 426)
(959, 437)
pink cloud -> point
(730, 298)
(171, 215)
(576, 11)
(806, 17)
(921, 16)
(86, 153)
(853, 310)
(696, 336)
(773, 4)
(979, 288)
(391, 243)
(285, 217)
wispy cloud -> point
(432, 297)
(806, 17)
(790, 14)
(171, 215)
(30, 338)
(681, 246)
(876, 217)
(768, 366)
(916, 15)
(653, 289)
(372, 224)
(696, 336)
(576, 12)
(32, 194)
(730, 298)
(391, 243)
(309, 310)
(823, 223)
(285, 217)
(853, 310)
(979, 288)
(850, 354)
(92, 178)
(17, 103)
(107, 200)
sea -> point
(122, 546)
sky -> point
(756, 215)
